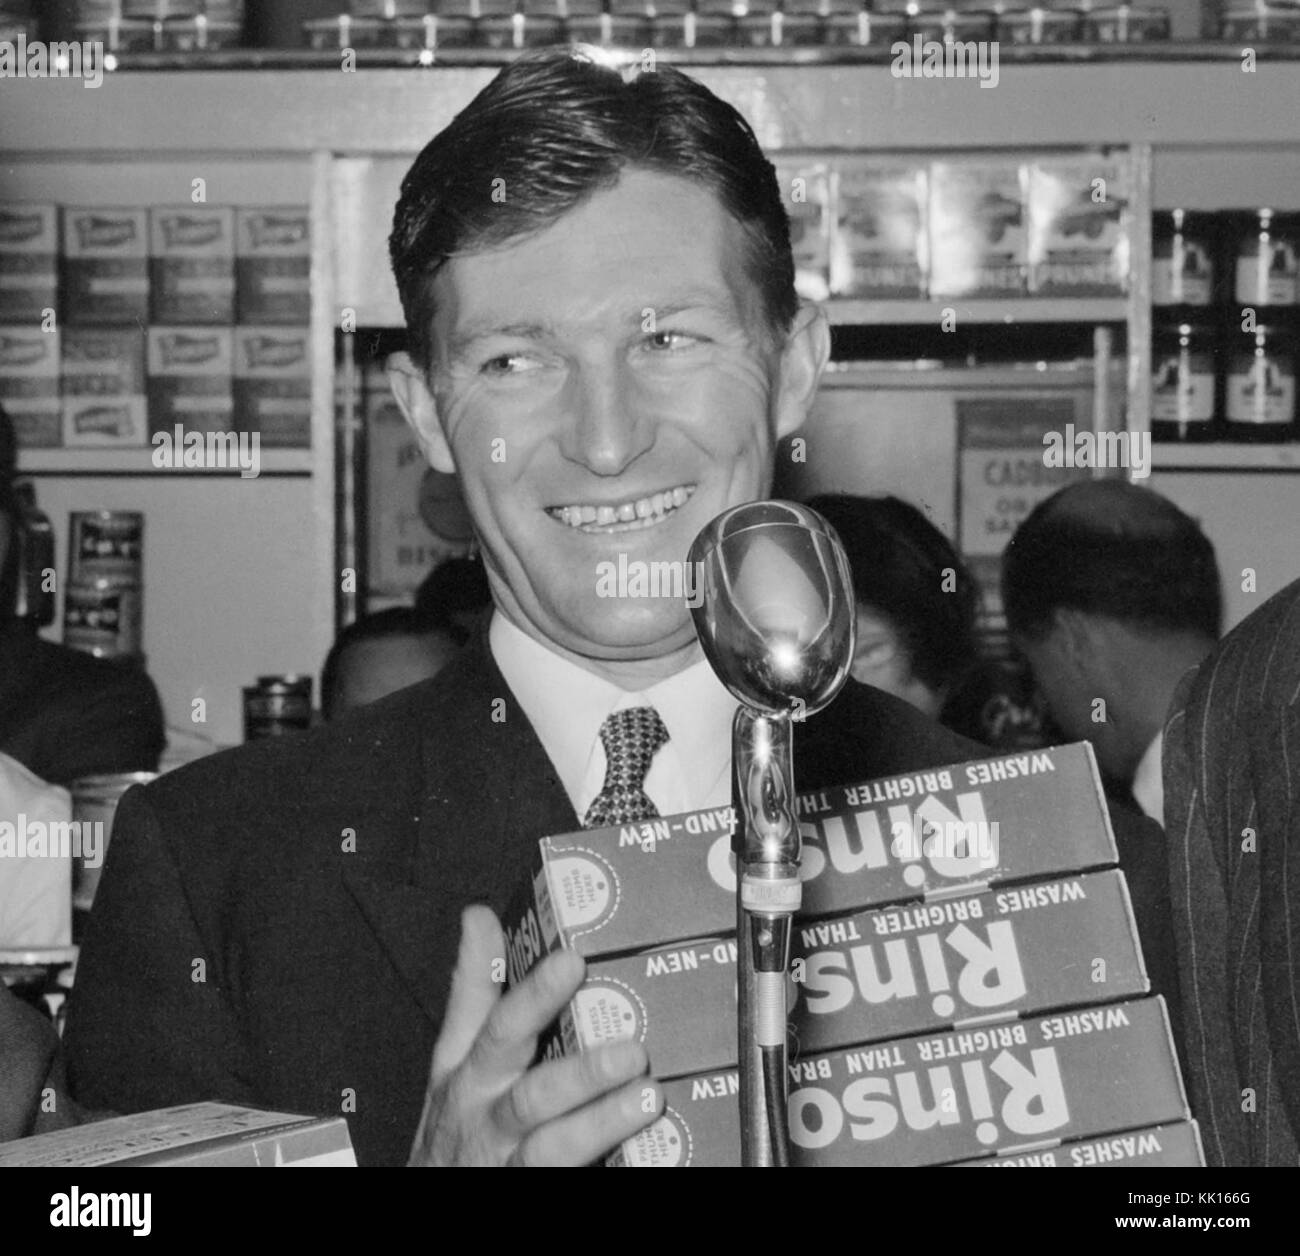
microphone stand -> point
(768, 893)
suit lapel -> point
(488, 793)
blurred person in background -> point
(455, 591)
(1112, 593)
(916, 601)
(1232, 790)
(63, 713)
(35, 880)
(381, 653)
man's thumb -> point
(475, 987)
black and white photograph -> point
(649, 584)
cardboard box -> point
(1078, 226)
(805, 192)
(196, 1134)
(978, 237)
(29, 252)
(875, 975)
(943, 1098)
(105, 422)
(190, 379)
(1164, 1146)
(1011, 818)
(273, 265)
(29, 384)
(102, 362)
(272, 385)
(879, 246)
(106, 266)
(192, 264)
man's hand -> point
(486, 1106)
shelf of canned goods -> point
(712, 28)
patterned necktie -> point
(630, 738)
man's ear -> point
(412, 394)
(1076, 634)
(803, 359)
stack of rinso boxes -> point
(194, 316)
(966, 984)
(1225, 296)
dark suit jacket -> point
(65, 714)
(236, 952)
(1232, 807)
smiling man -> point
(606, 347)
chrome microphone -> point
(776, 620)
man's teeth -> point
(644, 512)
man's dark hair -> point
(1108, 547)
(556, 126)
(396, 621)
(900, 563)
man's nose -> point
(606, 428)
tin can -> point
(103, 617)
(107, 544)
(344, 31)
(1268, 260)
(1040, 26)
(1261, 23)
(161, 10)
(1182, 263)
(951, 26)
(277, 705)
(94, 804)
(122, 35)
(200, 34)
(389, 9)
(865, 29)
(622, 30)
(1259, 392)
(1126, 24)
(779, 30)
(1182, 382)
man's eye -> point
(508, 364)
(668, 341)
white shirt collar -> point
(1148, 784)
(566, 705)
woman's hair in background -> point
(908, 572)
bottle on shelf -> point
(1259, 388)
(1183, 269)
(1183, 381)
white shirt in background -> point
(566, 705)
(1148, 784)
(35, 891)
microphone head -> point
(776, 615)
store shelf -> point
(884, 313)
(91, 461)
(792, 105)
(1225, 457)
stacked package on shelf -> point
(119, 323)
(943, 911)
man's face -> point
(1068, 692)
(604, 389)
